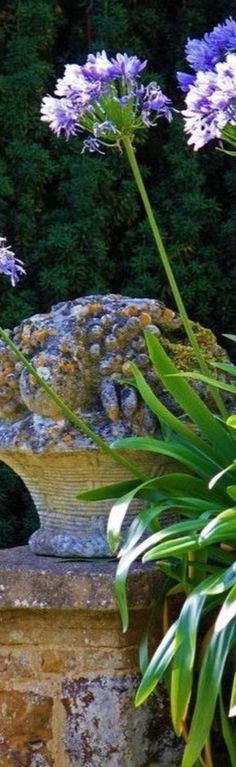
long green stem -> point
(72, 417)
(171, 278)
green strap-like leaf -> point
(189, 507)
(229, 733)
(226, 367)
(127, 560)
(231, 490)
(214, 381)
(157, 666)
(231, 421)
(187, 398)
(227, 612)
(108, 491)
(232, 705)
(183, 662)
(197, 462)
(119, 511)
(219, 522)
(175, 424)
(208, 691)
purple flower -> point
(155, 101)
(211, 103)
(77, 88)
(128, 67)
(185, 80)
(60, 114)
(105, 128)
(92, 145)
(98, 67)
(9, 264)
(105, 99)
(205, 53)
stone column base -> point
(68, 674)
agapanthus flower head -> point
(105, 99)
(9, 264)
(211, 103)
(205, 53)
(211, 91)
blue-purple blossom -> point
(128, 67)
(92, 145)
(211, 91)
(203, 54)
(105, 99)
(99, 67)
(211, 103)
(60, 114)
(185, 80)
(9, 264)
(155, 104)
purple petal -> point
(185, 80)
(9, 264)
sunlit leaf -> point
(231, 421)
(229, 733)
(220, 521)
(227, 612)
(208, 690)
(183, 661)
(187, 397)
(178, 452)
(157, 666)
(232, 705)
(231, 490)
(220, 474)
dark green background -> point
(76, 221)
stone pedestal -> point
(68, 674)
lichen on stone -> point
(83, 348)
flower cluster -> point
(104, 99)
(9, 264)
(211, 90)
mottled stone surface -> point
(25, 729)
(103, 727)
(40, 582)
(68, 673)
(81, 348)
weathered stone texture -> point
(103, 726)
(25, 729)
(83, 348)
(68, 674)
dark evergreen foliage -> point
(77, 221)
(18, 516)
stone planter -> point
(68, 526)
(81, 348)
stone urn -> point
(81, 348)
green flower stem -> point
(172, 281)
(72, 417)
